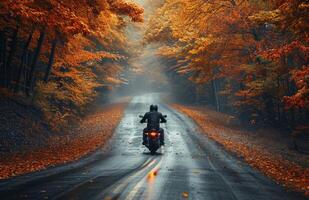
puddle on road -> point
(152, 175)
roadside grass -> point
(264, 156)
(91, 133)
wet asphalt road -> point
(190, 166)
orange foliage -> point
(126, 8)
(85, 33)
(301, 98)
(252, 47)
(201, 48)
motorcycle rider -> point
(153, 118)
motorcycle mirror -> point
(165, 116)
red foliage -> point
(301, 98)
(285, 50)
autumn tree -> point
(49, 49)
(240, 54)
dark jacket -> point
(153, 119)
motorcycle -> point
(153, 142)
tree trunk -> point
(30, 81)
(278, 99)
(3, 59)
(26, 66)
(10, 58)
(22, 61)
(51, 60)
(215, 91)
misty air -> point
(154, 99)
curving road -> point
(190, 166)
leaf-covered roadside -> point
(288, 173)
(92, 133)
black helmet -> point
(152, 108)
(155, 107)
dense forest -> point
(244, 57)
(248, 58)
(229, 78)
(56, 54)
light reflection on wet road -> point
(190, 166)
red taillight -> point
(153, 134)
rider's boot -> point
(144, 139)
(162, 137)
